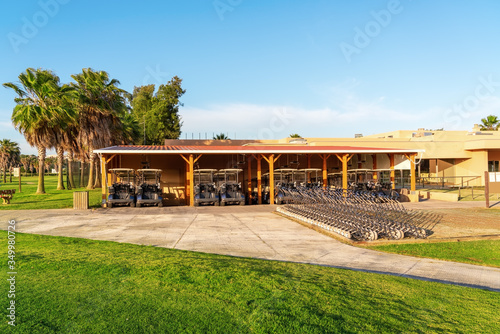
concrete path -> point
(249, 231)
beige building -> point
(453, 155)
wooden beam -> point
(198, 157)
(110, 158)
(374, 166)
(104, 183)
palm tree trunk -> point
(70, 169)
(90, 185)
(41, 170)
(5, 175)
(60, 161)
(97, 173)
(11, 171)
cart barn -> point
(179, 162)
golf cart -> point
(308, 177)
(205, 191)
(122, 190)
(284, 178)
(149, 188)
(229, 189)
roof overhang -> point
(295, 149)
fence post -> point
(487, 188)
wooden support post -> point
(413, 178)
(104, 181)
(259, 179)
(393, 179)
(189, 187)
(191, 179)
(309, 166)
(374, 159)
(271, 160)
(271, 178)
(344, 158)
(186, 182)
(249, 166)
(487, 188)
(325, 169)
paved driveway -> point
(249, 231)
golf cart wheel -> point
(216, 203)
(110, 205)
(242, 203)
(160, 204)
(132, 204)
(196, 204)
(139, 205)
(222, 203)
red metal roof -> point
(249, 149)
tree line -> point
(89, 113)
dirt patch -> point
(466, 222)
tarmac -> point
(243, 231)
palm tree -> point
(9, 156)
(40, 114)
(100, 103)
(490, 123)
(295, 135)
(221, 136)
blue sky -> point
(266, 69)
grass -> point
(75, 285)
(53, 199)
(481, 252)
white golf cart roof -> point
(310, 170)
(116, 170)
(207, 170)
(285, 170)
(146, 170)
(230, 170)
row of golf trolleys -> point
(354, 214)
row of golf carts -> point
(134, 187)
(218, 187)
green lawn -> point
(482, 252)
(53, 199)
(72, 285)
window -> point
(493, 166)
